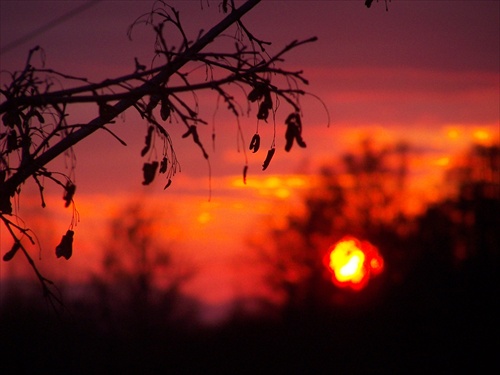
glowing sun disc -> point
(353, 262)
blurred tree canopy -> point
(463, 228)
(364, 196)
(141, 279)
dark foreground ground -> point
(423, 327)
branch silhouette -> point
(35, 129)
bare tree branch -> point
(35, 128)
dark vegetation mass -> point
(433, 310)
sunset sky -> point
(425, 72)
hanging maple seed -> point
(255, 143)
(153, 102)
(165, 109)
(149, 171)
(293, 131)
(269, 156)
(245, 170)
(11, 119)
(263, 112)
(10, 254)
(149, 135)
(69, 192)
(163, 165)
(168, 184)
(259, 90)
(265, 107)
(65, 248)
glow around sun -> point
(352, 262)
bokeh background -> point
(402, 151)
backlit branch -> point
(36, 126)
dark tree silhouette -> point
(463, 228)
(140, 283)
(448, 252)
(36, 122)
(364, 198)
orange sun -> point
(353, 262)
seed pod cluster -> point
(293, 131)
(255, 143)
(65, 247)
(165, 109)
(163, 165)
(69, 192)
(149, 137)
(149, 172)
(261, 91)
(258, 91)
(265, 106)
